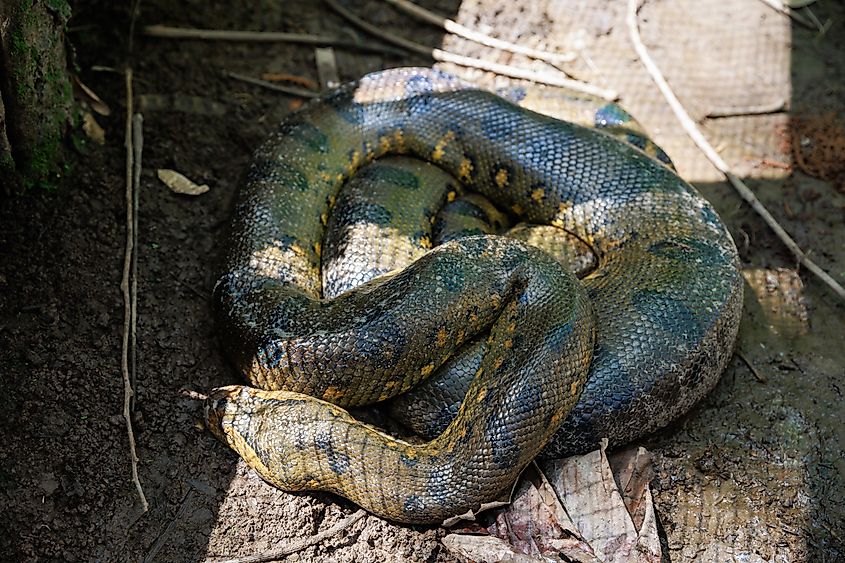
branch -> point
(447, 57)
(481, 38)
(299, 545)
(689, 126)
(261, 36)
(128, 393)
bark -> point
(36, 98)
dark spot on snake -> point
(408, 461)
(670, 313)
(338, 461)
(417, 85)
(687, 250)
(611, 115)
(283, 174)
(505, 450)
(306, 133)
(393, 175)
(466, 209)
(372, 213)
(413, 505)
(637, 140)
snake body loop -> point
(563, 363)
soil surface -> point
(754, 473)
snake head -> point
(223, 409)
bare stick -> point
(137, 150)
(180, 515)
(291, 90)
(261, 36)
(297, 545)
(128, 393)
(757, 375)
(481, 38)
(447, 57)
(697, 137)
(761, 109)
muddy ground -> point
(755, 473)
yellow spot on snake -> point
(425, 242)
(465, 169)
(451, 196)
(573, 388)
(511, 327)
(479, 371)
(502, 178)
(331, 200)
(332, 393)
(439, 151)
(461, 335)
(324, 218)
(384, 143)
(298, 250)
(426, 370)
(517, 208)
(481, 394)
(441, 337)
(355, 158)
(508, 343)
(399, 137)
(317, 248)
(538, 194)
(556, 418)
(557, 223)
(497, 363)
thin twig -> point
(291, 90)
(124, 286)
(447, 57)
(757, 375)
(481, 38)
(761, 109)
(697, 137)
(137, 151)
(299, 545)
(180, 515)
(189, 287)
(782, 9)
(262, 36)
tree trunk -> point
(36, 98)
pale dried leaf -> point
(92, 129)
(471, 515)
(91, 98)
(588, 491)
(179, 183)
(633, 472)
(485, 549)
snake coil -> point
(564, 363)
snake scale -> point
(550, 365)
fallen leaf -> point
(91, 98)
(574, 509)
(179, 183)
(92, 129)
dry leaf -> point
(484, 549)
(179, 183)
(91, 98)
(588, 491)
(579, 513)
(92, 129)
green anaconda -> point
(557, 364)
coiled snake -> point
(550, 365)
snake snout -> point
(220, 407)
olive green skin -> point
(666, 295)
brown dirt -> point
(754, 473)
